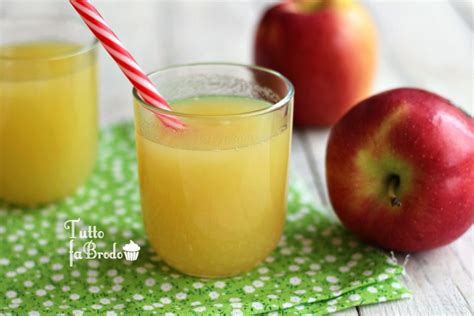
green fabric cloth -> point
(317, 268)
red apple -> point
(400, 170)
(326, 48)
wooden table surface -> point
(425, 44)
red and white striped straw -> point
(125, 60)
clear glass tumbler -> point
(214, 194)
(48, 109)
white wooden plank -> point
(315, 140)
(465, 9)
(140, 27)
(212, 30)
(429, 45)
(34, 9)
(462, 251)
(347, 312)
(2, 9)
(439, 283)
(301, 169)
(385, 77)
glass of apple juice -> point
(48, 109)
(214, 193)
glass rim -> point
(84, 48)
(271, 108)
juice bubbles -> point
(214, 196)
(48, 120)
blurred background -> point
(427, 44)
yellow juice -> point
(214, 196)
(48, 120)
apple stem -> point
(393, 183)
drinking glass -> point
(48, 108)
(214, 193)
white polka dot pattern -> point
(317, 268)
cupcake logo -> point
(131, 251)
(85, 243)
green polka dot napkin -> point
(317, 268)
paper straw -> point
(125, 60)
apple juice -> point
(214, 203)
(48, 120)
